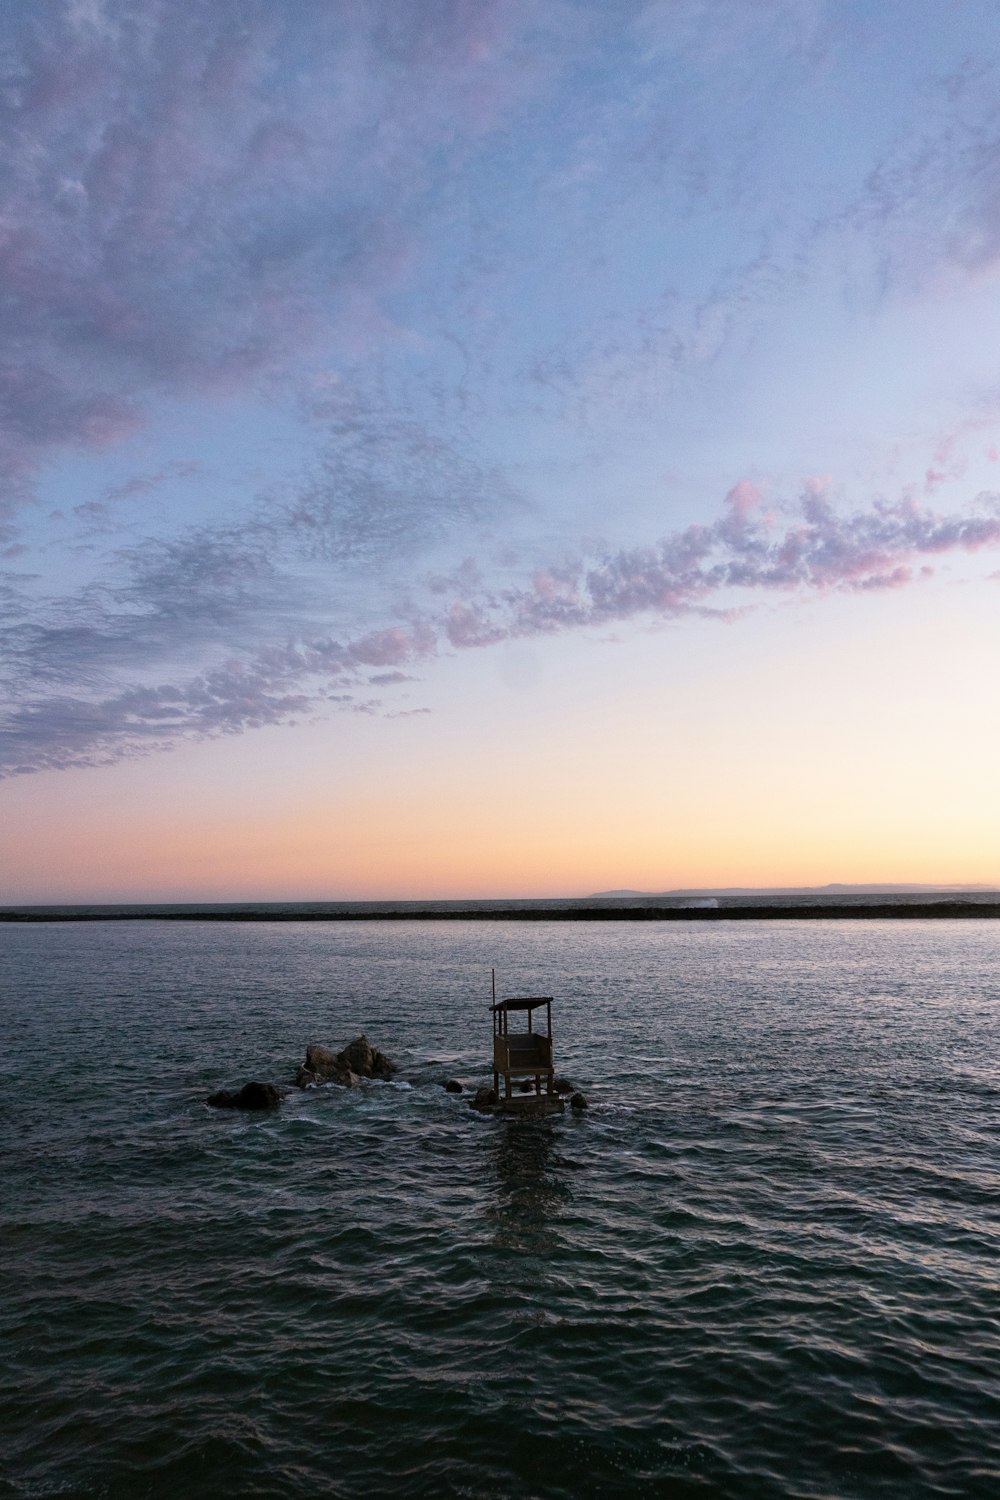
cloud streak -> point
(292, 669)
(707, 569)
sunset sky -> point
(497, 447)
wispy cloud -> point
(210, 590)
(193, 194)
(409, 226)
(927, 215)
(709, 569)
(385, 484)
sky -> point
(497, 447)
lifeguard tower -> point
(524, 1054)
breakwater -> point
(515, 911)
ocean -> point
(764, 1263)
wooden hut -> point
(524, 1053)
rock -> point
(321, 1061)
(359, 1059)
(483, 1099)
(323, 1066)
(563, 1086)
(365, 1060)
(453, 1086)
(526, 1086)
(251, 1096)
(578, 1102)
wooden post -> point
(496, 1032)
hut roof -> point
(526, 1002)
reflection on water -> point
(531, 1193)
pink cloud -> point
(393, 647)
(743, 498)
(703, 569)
(467, 625)
(208, 587)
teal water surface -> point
(763, 1264)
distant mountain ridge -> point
(833, 889)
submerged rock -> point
(484, 1098)
(359, 1059)
(578, 1102)
(453, 1086)
(563, 1086)
(251, 1096)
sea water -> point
(764, 1263)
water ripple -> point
(763, 1264)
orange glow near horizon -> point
(592, 784)
(476, 838)
(299, 860)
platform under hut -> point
(524, 1054)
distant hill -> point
(833, 889)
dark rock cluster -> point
(359, 1059)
